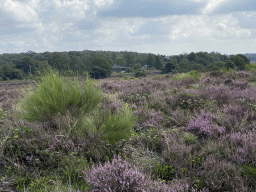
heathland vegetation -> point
(177, 131)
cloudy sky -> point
(167, 27)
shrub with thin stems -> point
(111, 127)
(52, 96)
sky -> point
(165, 27)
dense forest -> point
(101, 64)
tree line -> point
(101, 64)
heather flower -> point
(206, 80)
(204, 125)
(118, 176)
(221, 175)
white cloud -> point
(212, 5)
(34, 3)
(18, 43)
(19, 11)
(195, 26)
(196, 1)
(57, 3)
(112, 30)
(204, 27)
(55, 24)
(102, 3)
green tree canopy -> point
(102, 63)
(229, 64)
(129, 58)
(217, 66)
(184, 66)
(120, 61)
(136, 66)
(169, 67)
(159, 63)
(202, 61)
(113, 56)
(150, 61)
(87, 62)
(238, 61)
(60, 61)
(76, 64)
(26, 63)
(246, 60)
(191, 56)
(98, 72)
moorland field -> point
(172, 132)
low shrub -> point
(118, 175)
(140, 73)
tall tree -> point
(246, 60)
(150, 61)
(169, 67)
(87, 61)
(229, 64)
(59, 61)
(113, 56)
(129, 58)
(136, 66)
(238, 61)
(103, 63)
(27, 65)
(120, 61)
(191, 56)
(164, 58)
(202, 61)
(76, 64)
(216, 66)
(159, 63)
(184, 66)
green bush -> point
(112, 127)
(215, 66)
(249, 174)
(136, 66)
(164, 172)
(229, 64)
(169, 67)
(69, 73)
(195, 74)
(251, 67)
(49, 99)
(128, 70)
(140, 73)
(98, 72)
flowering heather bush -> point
(243, 74)
(204, 126)
(114, 106)
(241, 84)
(221, 94)
(216, 74)
(175, 151)
(186, 82)
(185, 101)
(234, 115)
(242, 146)
(251, 117)
(119, 176)
(154, 119)
(222, 176)
(231, 73)
(179, 118)
(206, 81)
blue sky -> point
(145, 26)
